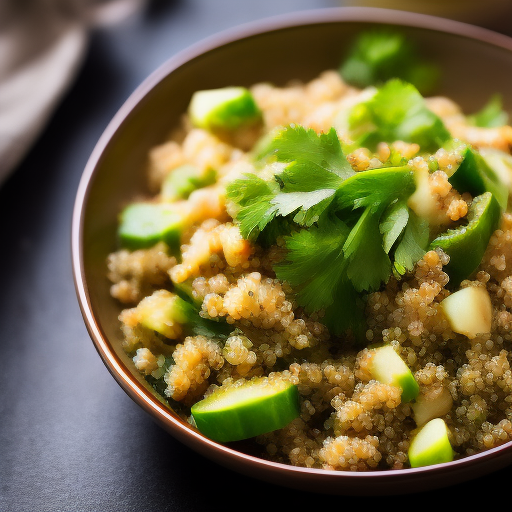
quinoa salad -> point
(325, 268)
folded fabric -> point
(42, 43)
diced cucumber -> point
(145, 224)
(164, 313)
(247, 409)
(491, 115)
(226, 109)
(173, 317)
(185, 291)
(469, 311)
(421, 201)
(183, 180)
(466, 244)
(476, 177)
(425, 409)
(389, 368)
(431, 445)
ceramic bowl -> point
(475, 64)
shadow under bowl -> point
(475, 64)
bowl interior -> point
(471, 70)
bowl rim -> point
(142, 396)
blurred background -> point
(70, 439)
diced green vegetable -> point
(185, 291)
(164, 313)
(243, 411)
(396, 112)
(389, 368)
(353, 235)
(491, 115)
(173, 317)
(426, 408)
(182, 181)
(501, 163)
(476, 177)
(228, 108)
(469, 311)
(431, 445)
(377, 56)
(145, 224)
(466, 244)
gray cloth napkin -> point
(42, 43)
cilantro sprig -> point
(397, 111)
(345, 232)
(303, 190)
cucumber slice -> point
(476, 177)
(227, 108)
(466, 244)
(469, 311)
(183, 180)
(247, 409)
(431, 445)
(145, 224)
(389, 368)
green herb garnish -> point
(379, 55)
(397, 111)
(359, 228)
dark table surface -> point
(70, 438)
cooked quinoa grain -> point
(348, 420)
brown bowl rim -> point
(179, 428)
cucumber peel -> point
(247, 409)
(226, 109)
(466, 244)
(431, 445)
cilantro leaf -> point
(316, 267)
(316, 156)
(378, 55)
(413, 244)
(396, 112)
(315, 261)
(253, 197)
(359, 227)
(491, 115)
(310, 205)
(316, 168)
(375, 186)
(393, 223)
(368, 264)
(346, 312)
